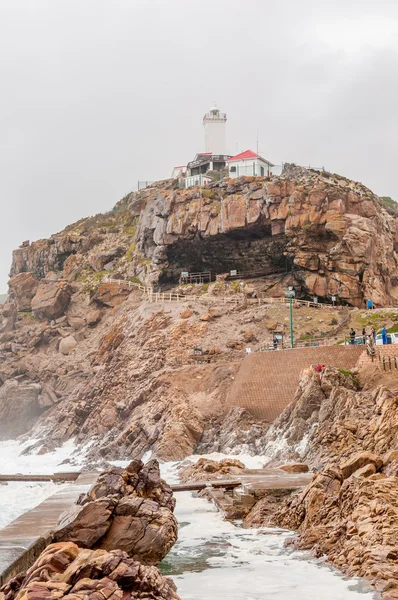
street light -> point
(290, 293)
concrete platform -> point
(22, 541)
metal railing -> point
(202, 277)
(388, 363)
(141, 185)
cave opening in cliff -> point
(243, 250)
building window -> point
(232, 169)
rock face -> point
(331, 230)
(51, 300)
(127, 509)
(349, 511)
(20, 406)
(23, 287)
(64, 571)
(354, 521)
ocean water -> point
(217, 560)
(18, 497)
(213, 559)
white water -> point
(216, 560)
(213, 559)
(18, 497)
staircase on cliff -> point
(266, 381)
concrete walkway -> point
(22, 541)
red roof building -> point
(249, 163)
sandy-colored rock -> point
(359, 460)
(186, 313)
(365, 471)
(295, 468)
(206, 469)
(67, 344)
(389, 457)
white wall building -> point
(179, 171)
(214, 123)
(249, 164)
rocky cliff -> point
(86, 356)
(332, 233)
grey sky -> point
(98, 94)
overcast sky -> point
(97, 94)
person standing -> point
(364, 335)
(373, 334)
(384, 335)
(352, 336)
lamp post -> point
(290, 293)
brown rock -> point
(207, 316)
(111, 294)
(93, 317)
(22, 288)
(76, 322)
(85, 525)
(127, 509)
(295, 468)
(365, 471)
(51, 300)
(65, 571)
(390, 456)
(143, 529)
(186, 313)
(206, 469)
(358, 460)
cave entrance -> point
(251, 253)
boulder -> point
(206, 469)
(126, 509)
(358, 460)
(111, 294)
(99, 260)
(186, 313)
(295, 468)
(76, 322)
(143, 529)
(22, 289)
(67, 344)
(85, 525)
(63, 570)
(93, 317)
(365, 471)
(51, 300)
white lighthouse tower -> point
(214, 124)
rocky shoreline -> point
(349, 511)
(108, 544)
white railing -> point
(237, 299)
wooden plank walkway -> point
(38, 478)
(24, 539)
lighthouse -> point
(214, 125)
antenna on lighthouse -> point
(257, 142)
